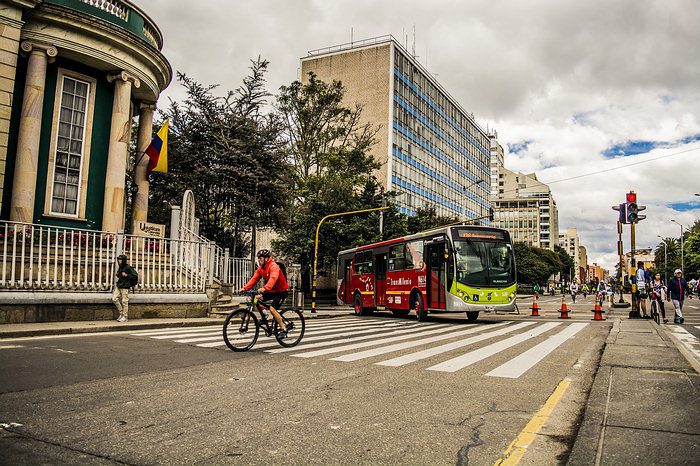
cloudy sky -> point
(572, 87)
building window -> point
(70, 148)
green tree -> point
(567, 263)
(230, 155)
(426, 218)
(535, 265)
(329, 150)
(666, 257)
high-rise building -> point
(430, 148)
(583, 263)
(525, 207)
(569, 240)
(497, 160)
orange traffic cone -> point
(564, 311)
(535, 307)
(597, 312)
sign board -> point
(150, 229)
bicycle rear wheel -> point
(241, 329)
(295, 319)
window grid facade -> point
(438, 152)
(69, 147)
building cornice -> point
(105, 33)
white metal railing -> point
(39, 257)
(114, 7)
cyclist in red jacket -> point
(275, 288)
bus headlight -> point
(466, 297)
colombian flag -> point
(157, 151)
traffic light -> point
(631, 208)
(491, 214)
(623, 214)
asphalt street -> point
(370, 390)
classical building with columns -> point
(73, 76)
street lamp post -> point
(682, 264)
(465, 189)
(665, 259)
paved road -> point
(371, 390)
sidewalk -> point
(94, 326)
(643, 407)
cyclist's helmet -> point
(264, 253)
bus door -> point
(436, 266)
(380, 279)
(347, 280)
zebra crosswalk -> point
(397, 343)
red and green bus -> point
(456, 268)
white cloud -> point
(573, 78)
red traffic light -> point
(631, 197)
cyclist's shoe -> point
(283, 333)
(665, 320)
(681, 319)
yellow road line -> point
(516, 450)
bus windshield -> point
(484, 263)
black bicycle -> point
(655, 309)
(242, 326)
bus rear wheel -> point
(419, 307)
(472, 316)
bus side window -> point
(363, 262)
(396, 258)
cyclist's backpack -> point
(134, 279)
(283, 269)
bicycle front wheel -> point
(241, 329)
(294, 320)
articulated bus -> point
(449, 269)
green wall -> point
(99, 145)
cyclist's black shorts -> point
(276, 298)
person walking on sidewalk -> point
(126, 276)
(677, 291)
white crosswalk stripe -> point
(460, 362)
(430, 352)
(309, 328)
(326, 334)
(521, 364)
(442, 328)
(407, 329)
(361, 339)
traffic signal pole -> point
(621, 255)
(315, 276)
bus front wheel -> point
(419, 307)
(472, 316)
(357, 306)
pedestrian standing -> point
(126, 278)
(677, 291)
(659, 294)
(641, 293)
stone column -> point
(27, 157)
(119, 134)
(139, 210)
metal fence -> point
(46, 258)
(38, 257)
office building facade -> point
(525, 207)
(430, 149)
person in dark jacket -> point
(125, 274)
(677, 291)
